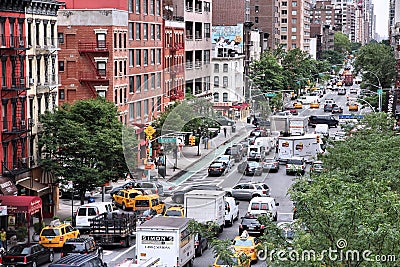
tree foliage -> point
(85, 143)
(342, 43)
(333, 57)
(376, 60)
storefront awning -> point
(7, 187)
(240, 106)
(21, 204)
(39, 188)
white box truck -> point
(298, 125)
(280, 123)
(206, 206)
(306, 146)
(166, 238)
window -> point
(294, 21)
(284, 20)
(145, 31)
(158, 7)
(207, 32)
(216, 81)
(216, 97)
(138, 57)
(284, 3)
(101, 67)
(153, 81)
(283, 29)
(225, 97)
(158, 103)
(294, 29)
(138, 31)
(158, 31)
(152, 7)
(130, 6)
(225, 68)
(131, 57)
(131, 111)
(152, 31)
(294, 3)
(293, 45)
(131, 84)
(284, 12)
(61, 94)
(146, 107)
(283, 37)
(216, 68)
(152, 56)
(145, 6)
(60, 65)
(207, 56)
(145, 82)
(138, 109)
(60, 37)
(159, 80)
(101, 40)
(293, 37)
(256, 19)
(137, 8)
(256, 9)
(115, 68)
(225, 81)
(138, 83)
(145, 57)
(130, 30)
(158, 56)
(207, 7)
(294, 12)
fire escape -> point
(15, 126)
(96, 75)
(176, 71)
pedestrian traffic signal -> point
(192, 140)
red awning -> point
(21, 204)
(240, 106)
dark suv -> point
(81, 246)
(79, 260)
(324, 119)
(251, 224)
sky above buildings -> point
(381, 10)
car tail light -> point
(25, 261)
(287, 165)
(302, 167)
(157, 191)
(264, 192)
(1, 259)
(61, 238)
(169, 188)
(196, 243)
(62, 254)
(276, 163)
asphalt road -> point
(278, 183)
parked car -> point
(224, 121)
(250, 168)
(27, 255)
(168, 187)
(82, 245)
(270, 165)
(295, 165)
(217, 168)
(250, 190)
(178, 196)
(148, 187)
(252, 225)
(200, 244)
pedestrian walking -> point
(3, 239)
(225, 132)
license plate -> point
(252, 228)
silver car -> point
(249, 190)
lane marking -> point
(122, 253)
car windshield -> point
(247, 221)
(243, 242)
(173, 213)
(295, 161)
(253, 149)
(252, 164)
(216, 165)
(19, 250)
(269, 160)
(71, 248)
(133, 194)
(50, 232)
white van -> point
(231, 210)
(263, 205)
(322, 129)
(89, 211)
(256, 153)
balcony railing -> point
(11, 168)
(93, 76)
(93, 47)
(14, 83)
(12, 42)
(16, 126)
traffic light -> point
(192, 140)
(318, 139)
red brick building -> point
(14, 85)
(174, 58)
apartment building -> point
(295, 24)
(322, 23)
(197, 16)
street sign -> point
(149, 130)
(162, 140)
(380, 91)
(270, 95)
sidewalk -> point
(185, 163)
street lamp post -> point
(379, 89)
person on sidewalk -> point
(225, 132)
(3, 239)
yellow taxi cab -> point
(55, 235)
(146, 202)
(246, 244)
(298, 105)
(175, 211)
(314, 105)
(236, 261)
(126, 198)
(353, 107)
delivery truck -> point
(280, 123)
(167, 239)
(206, 206)
(298, 125)
(306, 146)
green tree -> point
(376, 60)
(83, 143)
(333, 57)
(342, 43)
